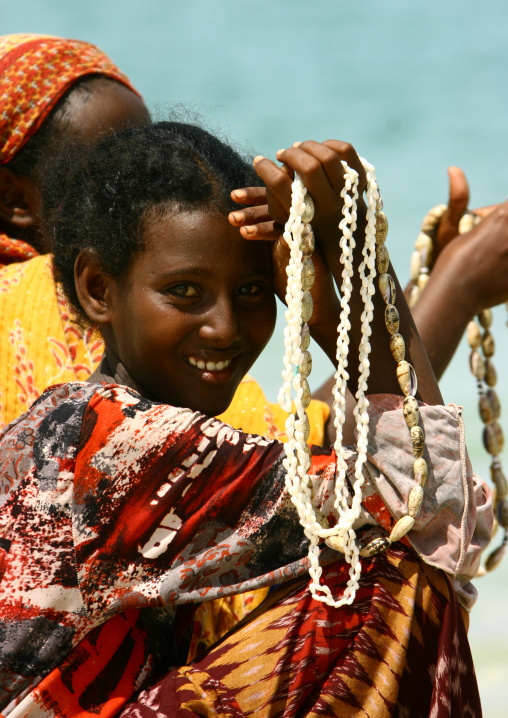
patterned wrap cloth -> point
(42, 344)
(35, 71)
(96, 593)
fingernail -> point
(279, 152)
(257, 159)
(249, 230)
(296, 144)
(239, 193)
(236, 216)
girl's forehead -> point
(201, 237)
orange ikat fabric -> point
(35, 71)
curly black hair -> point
(100, 195)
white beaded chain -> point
(297, 366)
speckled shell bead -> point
(421, 471)
(490, 373)
(488, 344)
(308, 243)
(406, 377)
(305, 364)
(382, 259)
(477, 365)
(308, 211)
(387, 288)
(375, 546)
(397, 347)
(411, 411)
(401, 528)
(308, 274)
(381, 227)
(499, 480)
(392, 320)
(493, 438)
(502, 513)
(307, 306)
(495, 557)
(415, 501)
(417, 441)
(474, 335)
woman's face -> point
(194, 311)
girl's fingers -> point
(249, 195)
(278, 183)
(348, 153)
(249, 215)
(266, 231)
(306, 159)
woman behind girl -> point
(125, 505)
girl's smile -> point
(194, 310)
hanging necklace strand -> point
(298, 363)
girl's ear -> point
(16, 200)
(92, 287)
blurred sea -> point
(414, 86)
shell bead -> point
(485, 409)
(493, 438)
(305, 364)
(477, 365)
(488, 345)
(306, 427)
(381, 227)
(307, 306)
(415, 501)
(490, 373)
(417, 441)
(308, 274)
(306, 396)
(387, 288)
(375, 546)
(502, 513)
(382, 259)
(397, 347)
(401, 528)
(432, 218)
(308, 211)
(423, 281)
(485, 318)
(495, 557)
(424, 245)
(495, 404)
(308, 243)
(421, 471)
(392, 320)
(415, 266)
(474, 335)
(406, 376)
(305, 337)
(411, 411)
(499, 480)
(335, 543)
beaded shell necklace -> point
(298, 363)
(482, 346)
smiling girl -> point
(125, 505)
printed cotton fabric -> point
(35, 71)
(401, 650)
(118, 515)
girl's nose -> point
(221, 326)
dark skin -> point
(319, 166)
(469, 274)
(108, 108)
(191, 315)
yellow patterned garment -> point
(41, 345)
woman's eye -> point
(184, 290)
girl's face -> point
(194, 311)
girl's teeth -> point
(209, 365)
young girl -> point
(124, 505)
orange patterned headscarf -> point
(35, 71)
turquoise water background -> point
(414, 86)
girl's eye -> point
(250, 290)
(184, 290)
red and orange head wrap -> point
(35, 71)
